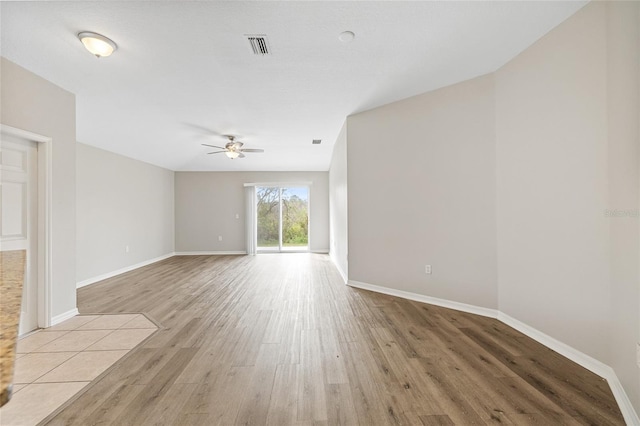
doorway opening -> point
(19, 218)
(282, 218)
(25, 217)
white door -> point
(19, 216)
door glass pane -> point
(268, 215)
(295, 218)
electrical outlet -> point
(427, 269)
(219, 237)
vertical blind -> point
(250, 220)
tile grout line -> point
(96, 380)
(87, 383)
(75, 353)
(38, 347)
(53, 368)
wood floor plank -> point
(169, 407)
(558, 386)
(340, 408)
(280, 340)
(370, 381)
(311, 387)
(412, 394)
(333, 359)
(283, 406)
(150, 400)
(224, 401)
(257, 397)
(437, 420)
(452, 398)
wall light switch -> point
(237, 215)
(427, 269)
(126, 249)
(219, 237)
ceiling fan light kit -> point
(233, 149)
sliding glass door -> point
(268, 217)
(294, 221)
(282, 216)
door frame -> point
(44, 151)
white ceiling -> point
(184, 70)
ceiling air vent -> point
(316, 141)
(259, 44)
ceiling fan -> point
(233, 149)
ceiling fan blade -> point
(252, 150)
(216, 152)
(212, 146)
(237, 145)
(241, 155)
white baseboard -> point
(628, 412)
(240, 252)
(122, 271)
(563, 349)
(64, 316)
(209, 253)
(591, 364)
(342, 273)
(478, 310)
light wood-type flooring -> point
(280, 340)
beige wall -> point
(568, 151)
(517, 169)
(206, 204)
(31, 103)
(422, 191)
(120, 202)
(552, 184)
(623, 91)
(338, 203)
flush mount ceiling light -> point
(97, 44)
(347, 36)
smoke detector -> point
(347, 36)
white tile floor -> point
(54, 364)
